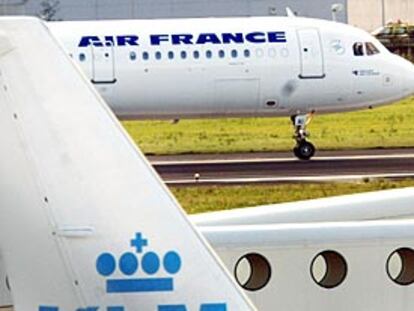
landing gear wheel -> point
(305, 150)
(296, 151)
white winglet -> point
(86, 224)
(290, 13)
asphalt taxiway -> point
(282, 167)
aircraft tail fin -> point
(86, 223)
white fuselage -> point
(260, 66)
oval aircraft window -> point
(234, 53)
(209, 54)
(400, 266)
(259, 53)
(329, 269)
(272, 52)
(247, 53)
(252, 272)
(284, 52)
(133, 55)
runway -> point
(283, 168)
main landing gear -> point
(303, 150)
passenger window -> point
(209, 54)
(284, 52)
(196, 54)
(158, 55)
(82, 57)
(171, 55)
(183, 54)
(132, 56)
(358, 49)
(221, 54)
(247, 53)
(400, 266)
(272, 52)
(145, 56)
(259, 53)
(371, 49)
(329, 269)
(253, 272)
(234, 53)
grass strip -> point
(213, 198)
(385, 127)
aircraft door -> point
(311, 54)
(103, 65)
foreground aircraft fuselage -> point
(276, 66)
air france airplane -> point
(221, 67)
(87, 225)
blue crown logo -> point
(130, 265)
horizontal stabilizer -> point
(86, 223)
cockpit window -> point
(359, 49)
(371, 48)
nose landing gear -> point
(304, 150)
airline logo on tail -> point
(186, 39)
(129, 265)
(140, 270)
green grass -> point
(390, 126)
(207, 199)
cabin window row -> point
(328, 269)
(185, 55)
(209, 54)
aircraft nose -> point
(411, 80)
(408, 77)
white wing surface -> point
(380, 205)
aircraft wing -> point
(86, 223)
(389, 204)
